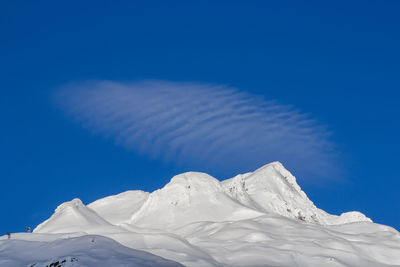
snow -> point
(261, 218)
(274, 189)
(189, 197)
(119, 208)
(88, 250)
(72, 215)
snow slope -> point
(261, 218)
(120, 208)
(88, 250)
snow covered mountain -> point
(261, 218)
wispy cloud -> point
(203, 125)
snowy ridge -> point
(262, 218)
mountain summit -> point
(261, 218)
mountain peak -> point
(276, 170)
(76, 203)
(70, 215)
(194, 180)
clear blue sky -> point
(338, 62)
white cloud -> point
(201, 125)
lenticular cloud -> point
(201, 125)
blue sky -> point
(313, 77)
